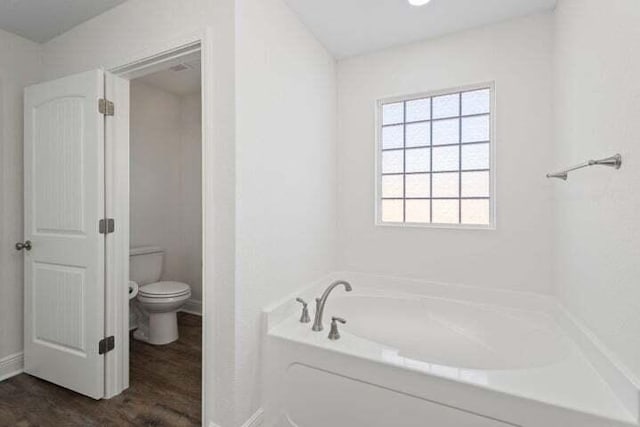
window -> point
(435, 159)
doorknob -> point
(26, 245)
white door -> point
(64, 201)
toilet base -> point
(162, 328)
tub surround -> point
(552, 380)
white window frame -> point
(492, 160)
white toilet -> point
(159, 301)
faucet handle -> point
(338, 319)
(304, 318)
(334, 334)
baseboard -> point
(192, 306)
(255, 420)
(11, 365)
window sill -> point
(460, 227)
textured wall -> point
(286, 210)
(516, 55)
(20, 66)
(597, 64)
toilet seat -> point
(167, 289)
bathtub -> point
(423, 354)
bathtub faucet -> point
(322, 301)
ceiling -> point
(181, 80)
(352, 27)
(42, 20)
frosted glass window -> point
(418, 160)
(392, 137)
(419, 109)
(393, 113)
(436, 163)
(476, 102)
(393, 186)
(392, 161)
(418, 185)
(475, 156)
(446, 158)
(446, 184)
(446, 132)
(446, 106)
(475, 129)
(418, 134)
(392, 211)
(475, 184)
(418, 211)
(446, 212)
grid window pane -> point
(446, 132)
(476, 102)
(418, 185)
(418, 160)
(475, 156)
(393, 137)
(475, 129)
(392, 161)
(392, 211)
(446, 158)
(419, 134)
(418, 211)
(393, 113)
(475, 212)
(475, 184)
(446, 184)
(419, 109)
(436, 159)
(446, 106)
(392, 186)
(446, 212)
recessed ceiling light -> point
(418, 2)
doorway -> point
(165, 236)
(92, 273)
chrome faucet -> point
(322, 301)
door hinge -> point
(106, 345)
(106, 107)
(106, 226)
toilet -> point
(158, 301)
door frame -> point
(117, 204)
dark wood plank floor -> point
(164, 390)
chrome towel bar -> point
(613, 162)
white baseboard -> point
(192, 306)
(255, 420)
(11, 365)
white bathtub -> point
(419, 355)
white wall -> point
(286, 207)
(166, 180)
(597, 69)
(190, 263)
(20, 66)
(134, 30)
(517, 56)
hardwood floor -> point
(164, 390)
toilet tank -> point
(145, 264)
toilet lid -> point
(164, 289)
